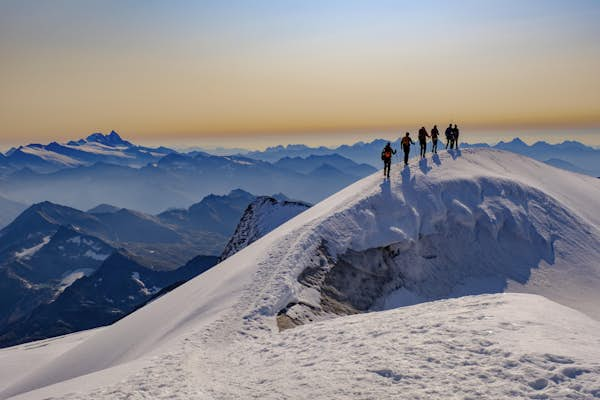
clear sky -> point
(242, 70)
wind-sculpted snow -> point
(459, 237)
(480, 221)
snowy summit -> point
(472, 275)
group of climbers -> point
(452, 133)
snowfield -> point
(49, 156)
(294, 315)
(30, 252)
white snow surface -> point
(101, 149)
(216, 337)
(30, 252)
(50, 156)
(96, 256)
(70, 277)
(19, 360)
(147, 291)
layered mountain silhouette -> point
(50, 246)
(97, 147)
(107, 169)
(569, 155)
(213, 214)
(63, 270)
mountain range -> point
(569, 155)
(49, 247)
(156, 243)
(360, 152)
(472, 274)
(152, 180)
(97, 147)
(64, 270)
(118, 286)
(109, 169)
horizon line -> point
(180, 143)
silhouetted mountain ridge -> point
(177, 180)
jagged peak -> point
(111, 139)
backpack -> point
(386, 154)
(405, 141)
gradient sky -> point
(193, 70)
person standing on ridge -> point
(434, 139)
(406, 142)
(449, 136)
(455, 132)
(423, 135)
(386, 156)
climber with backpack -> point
(434, 139)
(423, 135)
(449, 136)
(455, 133)
(406, 142)
(386, 156)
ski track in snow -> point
(227, 346)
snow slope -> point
(217, 337)
(18, 360)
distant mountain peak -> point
(112, 139)
(103, 209)
(517, 141)
(46, 210)
(240, 193)
(574, 144)
(120, 259)
(44, 206)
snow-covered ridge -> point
(493, 205)
(262, 216)
(438, 237)
(95, 148)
